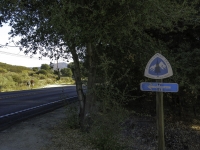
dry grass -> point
(138, 133)
(66, 139)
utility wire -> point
(1, 46)
(24, 56)
(7, 53)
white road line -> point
(32, 108)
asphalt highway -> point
(20, 105)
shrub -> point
(42, 71)
(73, 120)
(17, 78)
(35, 75)
(4, 80)
(49, 75)
(41, 76)
(45, 67)
(35, 69)
(66, 72)
(106, 130)
(67, 79)
(31, 73)
(49, 81)
(2, 70)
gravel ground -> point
(32, 134)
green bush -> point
(6, 81)
(50, 81)
(42, 71)
(66, 72)
(66, 79)
(35, 75)
(42, 76)
(106, 130)
(17, 78)
(49, 75)
(45, 67)
(73, 120)
(2, 70)
(31, 73)
(35, 69)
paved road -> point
(20, 105)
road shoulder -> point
(33, 133)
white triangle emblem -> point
(158, 67)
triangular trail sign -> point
(158, 67)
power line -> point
(23, 56)
(1, 46)
(17, 55)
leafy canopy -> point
(50, 27)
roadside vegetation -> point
(15, 78)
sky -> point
(13, 56)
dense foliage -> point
(45, 67)
(83, 68)
(66, 72)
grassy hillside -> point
(14, 78)
(11, 68)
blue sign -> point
(159, 87)
(158, 67)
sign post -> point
(159, 68)
(160, 118)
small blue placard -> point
(159, 87)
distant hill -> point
(13, 68)
(60, 65)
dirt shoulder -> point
(32, 134)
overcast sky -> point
(13, 56)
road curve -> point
(20, 105)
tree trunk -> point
(194, 105)
(79, 89)
(86, 103)
(90, 96)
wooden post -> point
(160, 118)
